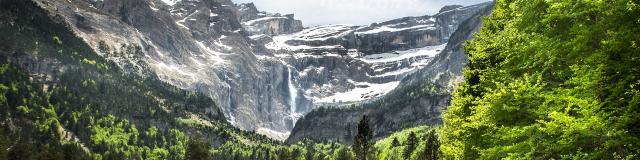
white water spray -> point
(293, 95)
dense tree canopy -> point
(550, 79)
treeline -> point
(420, 143)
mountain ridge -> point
(216, 47)
(419, 99)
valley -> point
(215, 79)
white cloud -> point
(317, 12)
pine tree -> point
(410, 146)
(362, 142)
(395, 142)
(431, 149)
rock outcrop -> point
(199, 45)
(262, 23)
(345, 64)
(263, 70)
(419, 98)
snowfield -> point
(390, 29)
(363, 91)
(171, 2)
(428, 51)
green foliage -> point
(57, 40)
(431, 150)
(395, 142)
(386, 150)
(362, 145)
(410, 145)
(198, 149)
(87, 107)
(549, 80)
(344, 153)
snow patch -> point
(323, 32)
(251, 22)
(219, 43)
(171, 2)
(153, 8)
(212, 55)
(429, 51)
(396, 72)
(390, 29)
(363, 91)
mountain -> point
(230, 53)
(344, 64)
(197, 45)
(263, 70)
(418, 100)
(208, 79)
(63, 100)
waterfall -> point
(293, 95)
(232, 119)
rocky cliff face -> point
(394, 35)
(199, 45)
(263, 70)
(260, 24)
(344, 64)
(419, 99)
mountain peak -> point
(449, 7)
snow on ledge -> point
(363, 91)
(430, 51)
(171, 2)
(389, 29)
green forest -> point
(546, 79)
(549, 80)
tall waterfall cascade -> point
(293, 95)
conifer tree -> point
(410, 145)
(395, 142)
(431, 149)
(362, 142)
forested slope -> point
(61, 100)
(550, 80)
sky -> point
(359, 12)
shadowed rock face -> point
(199, 45)
(345, 64)
(419, 99)
(263, 23)
(226, 51)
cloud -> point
(361, 12)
